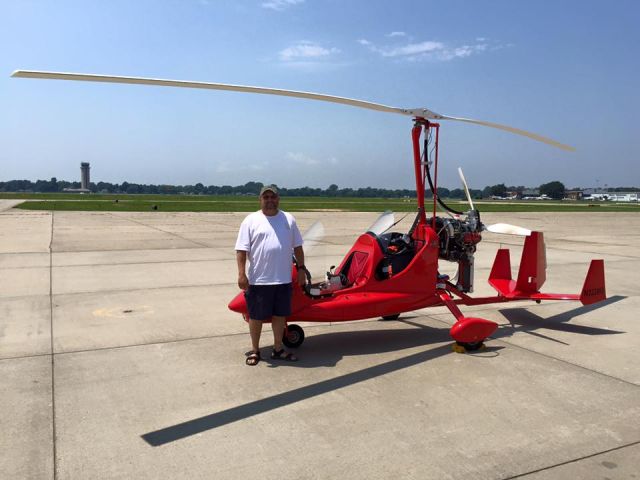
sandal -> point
(283, 355)
(253, 359)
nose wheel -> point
(464, 347)
(293, 336)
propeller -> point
(505, 228)
(508, 229)
(383, 223)
(466, 188)
(412, 112)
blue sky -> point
(568, 70)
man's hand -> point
(302, 277)
(243, 282)
(298, 253)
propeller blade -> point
(412, 112)
(313, 236)
(383, 223)
(466, 188)
(508, 229)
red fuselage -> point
(368, 294)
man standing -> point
(268, 238)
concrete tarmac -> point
(120, 359)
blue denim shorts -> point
(265, 301)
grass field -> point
(235, 203)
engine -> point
(458, 240)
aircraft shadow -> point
(523, 320)
(328, 349)
(324, 350)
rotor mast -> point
(421, 164)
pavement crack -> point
(160, 230)
(576, 365)
(53, 384)
(124, 289)
(573, 460)
(19, 357)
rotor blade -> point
(412, 112)
(508, 229)
(517, 131)
(84, 77)
(383, 223)
(466, 188)
(313, 236)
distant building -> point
(85, 180)
(614, 196)
(597, 196)
(530, 192)
(623, 197)
(573, 194)
(84, 176)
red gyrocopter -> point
(388, 273)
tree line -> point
(553, 189)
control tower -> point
(84, 175)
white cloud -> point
(396, 34)
(428, 50)
(411, 49)
(280, 5)
(301, 158)
(305, 160)
(306, 50)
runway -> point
(120, 359)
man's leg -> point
(278, 324)
(279, 353)
(255, 329)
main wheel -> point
(395, 316)
(293, 336)
(471, 346)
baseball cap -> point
(268, 188)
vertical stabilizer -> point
(500, 276)
(533, 264)
(594, 289)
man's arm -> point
(241, 258)
(299, 254)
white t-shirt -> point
(269, 241)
